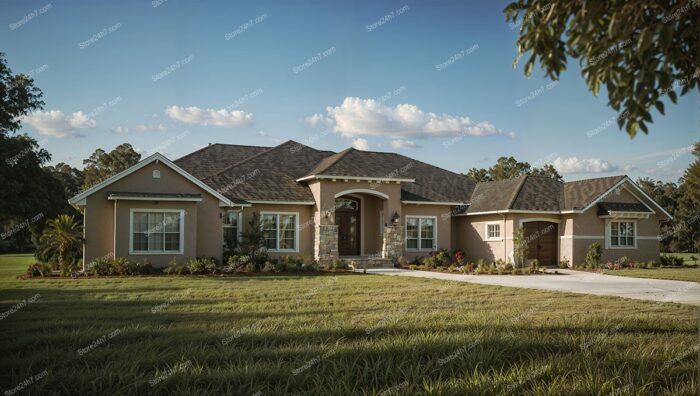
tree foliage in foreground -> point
(508, 168)
(640, 51)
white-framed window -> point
(622, 234)
(421, 233)
(156, 174)
(231, 224)
(381, 223)
(280, 231)
(493, 231)
(156, 231)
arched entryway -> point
(348, 218)
(543, 241)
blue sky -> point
(431, 80)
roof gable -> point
(79, 199)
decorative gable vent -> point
(156, 174)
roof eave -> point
(358, 178)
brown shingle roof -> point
(215, 157)
(579, 194)
(431, 183)
(271, 173)
(495, 195)
(538, 193)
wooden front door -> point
(542, 241)
(347, 217)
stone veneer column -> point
(326, 242)
(393, 242)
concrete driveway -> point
(575, 282)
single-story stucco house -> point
(356, 204)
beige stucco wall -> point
(576, 232)
(471, 237)
(203, 234)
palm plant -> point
(62, 241)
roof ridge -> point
(517, 190)
(596, 178)
(216, 144)
(254, 156)
(339, 155)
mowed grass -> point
(346, 334)
(682, 274)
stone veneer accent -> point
(326, 242)
(393, 242)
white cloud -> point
(221, 118)
(401, 143)
(361, 144)
(629, 168)
(120, 130)
(55, 123)
(359, 117)
(151, 128)
(586, 165)
(317, 119)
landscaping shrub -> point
(534, 265)
(564, 264)
(340, 264)
(441, 258)
(671, 261)
(279, 266)
(460, 258)
(269, 267)
(413, 267)
(429, 262)
(593, 255)
(481, 268)
(120, 266)
(39, 269)
(196, 266)
(313, 267)
(101, 267)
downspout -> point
(505, 250)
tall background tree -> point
(640, 51)
(102, 165)
(30, 194)
(508, 168)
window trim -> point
(238, 226)
(296, 231)
(608, 233)
(500, 231)
(152, 210)
(435, 234)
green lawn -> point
(344, 334)
(683, 274)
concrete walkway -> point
(575, 282)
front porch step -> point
(368, 262)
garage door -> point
(542, 241)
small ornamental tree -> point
(519, 247)
(253, 241)
(593, 255)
